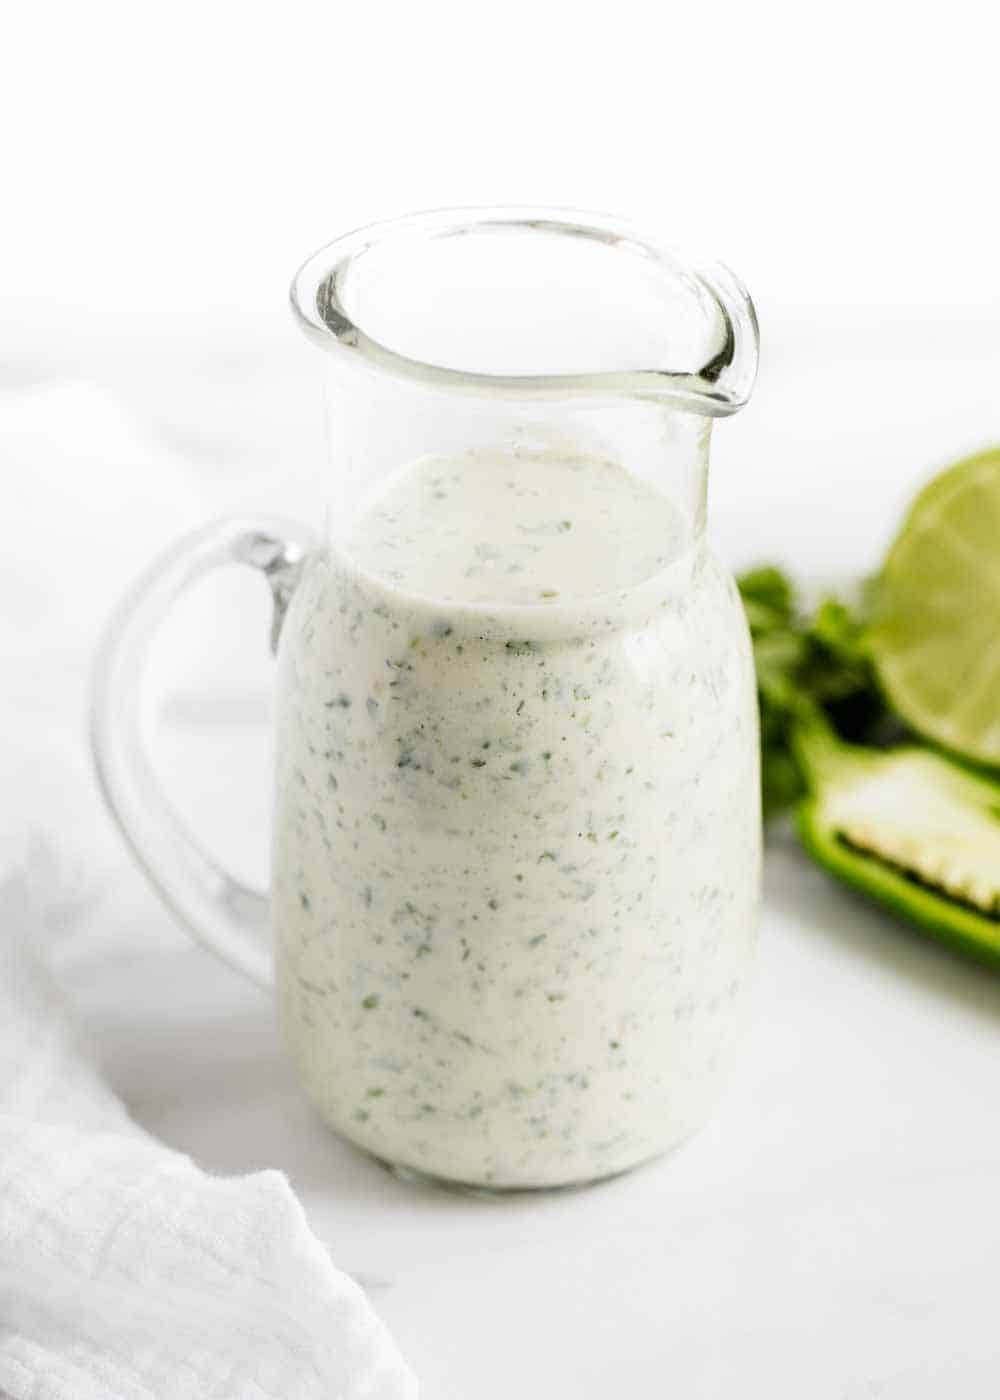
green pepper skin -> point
(831, 767)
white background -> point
(165, 168)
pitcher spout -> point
(725, 381)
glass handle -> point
(223, 914)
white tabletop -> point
(834, 1231)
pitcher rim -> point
(717, 388)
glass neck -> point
(381, 423)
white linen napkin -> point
(126, 1272)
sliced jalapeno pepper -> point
(909, 827)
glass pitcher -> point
(517, 821)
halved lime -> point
(935, 633)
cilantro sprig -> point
(807, 662)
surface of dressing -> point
(532, 529)
(517, 837)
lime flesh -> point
(935, 636)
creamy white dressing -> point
(517, 833)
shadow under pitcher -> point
(517, 822)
